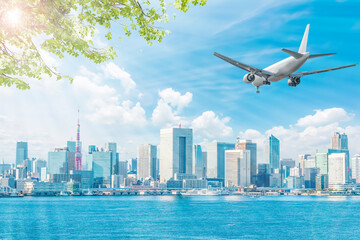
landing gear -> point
(257, 90)
(266, 82)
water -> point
(173, 217)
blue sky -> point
(145, 88)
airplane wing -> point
(248, 68)
(300, 74)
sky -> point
(178, 81)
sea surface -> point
(176, 217)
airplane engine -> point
(294, 81)
(249, 78)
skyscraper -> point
(146, 163)
(237, 168)
(175, 152)
(101, 166)
(112, 147)
(58, 161)
(216, 158)
(21, 152)
(78, 163)
(338, 169)
(272, 151)
(198, 162)
(355, 168)
(249, 145)
(339, 141)
(71, 145)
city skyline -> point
(124, 105)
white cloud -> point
(209, 125)
(325, 116)
(113, 71)
(175, 99)
(164, 115)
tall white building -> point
(355, 168)
(337, 169)
(146, 161)
(175, 152)
(237, 168)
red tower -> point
(78, 165)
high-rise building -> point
(302, 159)
(198, 162)
(216, 158)
(133, 164)
(355, 168)
(123, 168)
(21, 152)
(146, 161)
(321, 159)
(272, 151)
(249, 145)
(338, 169)
(37, 164)
(204, 154)
(263, 175)
(175, 152)
(339, 141)
(237, 168)
(101, 166)
(71, 145)
(112, 147)
(60, 161)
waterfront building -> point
(198, 162)
(310, 177)
(295, 172)
(338, 169)
(302, 159)
(20, 172)
(133, 164)
(204, 154)
(216, 158)
(272, 151)
(7, 182)
(37, 164)
(293, 182)
(117, 181)
(355, 168)
(275, 179)
(175, 152)
(194, 183)
(85, 178)
(249, 145)
(46, 188)
(61, 161)
(322, 181)
(263, 176)
(146, 162)
(123, 168)
(339, 141)
(310, 162)
(321, 159)
(101, 166)
(43, 174)
(21, 152)
(237, 168)
(112, 147)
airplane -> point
(283, 69)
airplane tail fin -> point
(303, 45)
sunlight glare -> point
(13, 17)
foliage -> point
(68, 27)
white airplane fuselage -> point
(282, 69)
